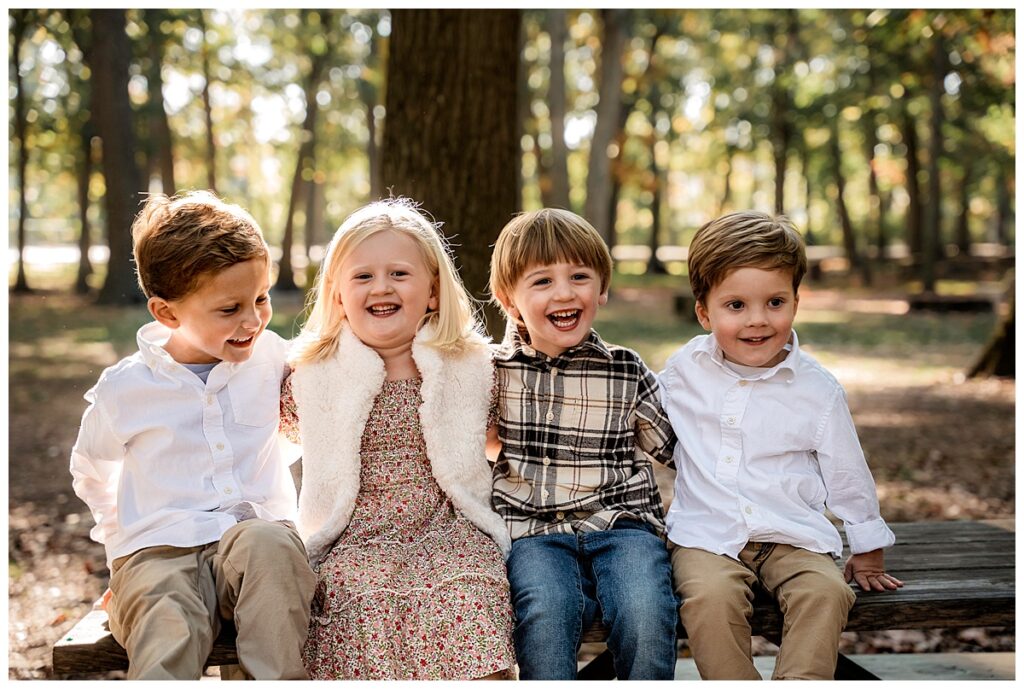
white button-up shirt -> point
(163, 458)
(762, 453)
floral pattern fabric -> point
(411, 589)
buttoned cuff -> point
(868, 536)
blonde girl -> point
(390, 397)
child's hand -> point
(868, 570)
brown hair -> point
(543, 237)
(178, 240)
(745, 239)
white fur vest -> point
(334, 399)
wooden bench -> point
(955, 574)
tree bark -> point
(306, 158)
(914, 207)
(161, 127)
(781, 108)
(109, 57)
(1003, 210)
(370, 96)
(211, 144)
(654, 264)
(849, 236)
(556, 106)
(931, 243)
(18, 28)
(450, 137)
(85, 236)
(598, 183)
(963, 234)
(805, 169)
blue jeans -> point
(561, 583)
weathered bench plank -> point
(956, 574)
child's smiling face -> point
(222, 319)
(386, 288)
(557, 303)
(751, 314)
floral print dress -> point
(411, 589)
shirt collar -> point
(151, 339)
(514, 345)
(786, 369)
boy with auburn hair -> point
(178, 458)
(578, 421)
(766, 443)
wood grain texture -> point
(955, 574)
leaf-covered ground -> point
(940, 447)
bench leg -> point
(846, 669)
(601, 667)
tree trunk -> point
(109, 58)
(914, 207)
(370, 96)
(874, 222)
(558, 32)
(18, 28)
(598, 183)
(211, 145)
(654, 264)
(805, 170)
(723, 201)
(1003, 210)
(450, 139)
(314, 211)
(963, 233)
(306, 159)
(85, 236)
(849, 236)
(161, 128)
(931, 244)
(780, 110)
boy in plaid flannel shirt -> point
(578, 423)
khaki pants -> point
(718, 593)
(168, 602)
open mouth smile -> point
(565, 320)
(241, 342)
(755, 340)
(383, 310)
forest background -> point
(888, 136)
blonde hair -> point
(454, 320)
(550, 235)
(745, 239)
(176, 241)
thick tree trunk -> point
(109, 58)
(1003, 210)
(450, 139)
(20, 125)
(211, 144)
(805, 170)
(723, 200)
(314, 211)
(558, 31)
(161, 128)
(370, 96)
(654, 264)
(780, 110)
(598, 183)
(875, 226)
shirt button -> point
(220, 446)
(728, 460)
(743, 383)
(748, 510)
(547, 461)
(731, 421)
(546, 494)
(549, 416)
(209, 399)
(227, 491)
(560, 515)
(554, 372)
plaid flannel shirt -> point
(578, 432)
